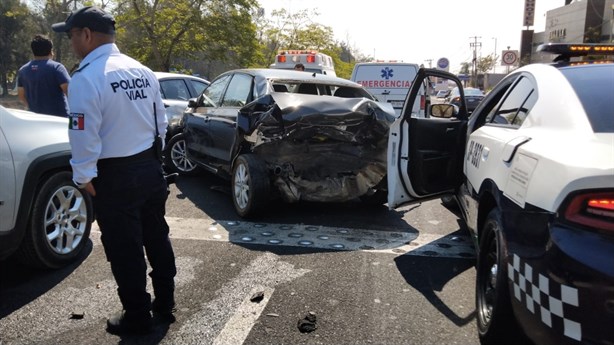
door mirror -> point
(443, 110)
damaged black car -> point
(290, 135)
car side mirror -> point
(445, 111)
(192, 103)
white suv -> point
(45, 218)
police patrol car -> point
(533, 172)
(313, 60)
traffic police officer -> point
(116, 112)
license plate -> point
(397, 104)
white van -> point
(313, 60)
(389, 81)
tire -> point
(250, 185)
(175, 159)
(60, 222)
(495, 318)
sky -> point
(419, 31)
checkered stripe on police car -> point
(553, 301)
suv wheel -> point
(60, 223)
(250, 185)
(175, 159)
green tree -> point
(465, 68)
(17, 27)
(485, 64)
(55, 11)
(164, 34)
(285, 30)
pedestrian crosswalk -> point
(322, 237)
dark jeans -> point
(130, 206)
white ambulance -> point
(313, 61)
(389, 81)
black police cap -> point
(90, 17)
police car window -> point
(174, 89)
(525, 109)
(238, 92)
(594, 85)
(213, 94)
(517, 104)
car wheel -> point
(175, 159)
(495, 318)
(59, 225)
(250, 185)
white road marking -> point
(223, 318)
(240, 324)
(321, 237)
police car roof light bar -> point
(566, 50)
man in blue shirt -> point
(42, 83)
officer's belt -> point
(118, 161)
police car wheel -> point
(250, 185)
(59, 225)
(495, 318)
(175, 159)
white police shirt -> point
(111, 99)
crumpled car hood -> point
(320, 148)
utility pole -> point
(508, 66)
(429, 61)
(475, 45)
(495, 57)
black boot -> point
(124, 323)
(163, 311)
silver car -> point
(45, 218)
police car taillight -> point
(595, 210)
(311, 58)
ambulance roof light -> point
(295, 51)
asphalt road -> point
(369, 276)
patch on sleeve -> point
(77, 121)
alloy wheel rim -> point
(241, 186)
(179, 158)
(65, 220)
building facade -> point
(579, 21)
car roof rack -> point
(565, 51)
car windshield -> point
(594, 86)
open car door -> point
(427, 142)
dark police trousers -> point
(130, 205)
